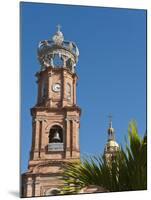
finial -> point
(110, 129)
(58, 27)
(58, 38)
(110, 121)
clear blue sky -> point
(111, 68)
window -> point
(57, 61)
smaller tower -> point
(112, 146)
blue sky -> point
(111, 68)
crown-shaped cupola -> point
(58, 53)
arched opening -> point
(57, 61)
(55, 139)
(52, 191)
(56, 134)
(69, 64)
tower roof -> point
(111, 145)
(111, 135)
(110, 129)
(67, 51)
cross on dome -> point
(59, 27)
(110, 121)
(56, 48)
(111, 135)
(58, 38)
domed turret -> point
(58, 53)
(111, 146)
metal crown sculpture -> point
(67, 51)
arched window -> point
(69, 64)
(57, 61)
(56, 134)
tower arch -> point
(55, 123)
(56, 134)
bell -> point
(56, 137)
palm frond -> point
(128, 170)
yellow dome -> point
(112, 143)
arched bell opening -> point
(55, 138)
(56, 134)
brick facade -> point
(52, 108)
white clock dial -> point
(56, 87)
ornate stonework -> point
(112, 146)
(66, 51)
(55, 118)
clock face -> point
(56, 87)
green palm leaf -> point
(128, 170)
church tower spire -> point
(111, 135)
(111, 146)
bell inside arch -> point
(56, 137)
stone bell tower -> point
(55, 117)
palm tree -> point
(128, 170)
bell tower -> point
(55, 117)
(112, 146)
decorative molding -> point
(73, 118)
(52, 124)
(66, 50)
